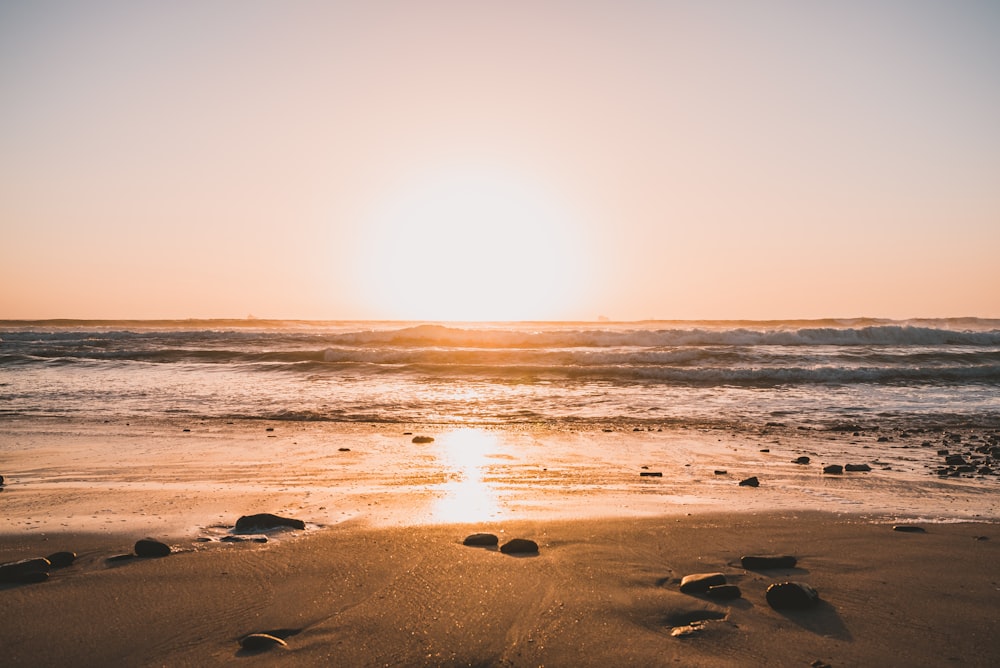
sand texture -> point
(379, 575)
(599, 592)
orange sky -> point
(523, 160)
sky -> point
(426, 160)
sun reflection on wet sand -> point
(466, 497)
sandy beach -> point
(380, 576)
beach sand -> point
(381, 577)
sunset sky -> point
(500, 160)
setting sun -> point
(467, 244)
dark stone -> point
(61, 559)
(519, 546)
(750, 482)
(147, 547)
(857, 467)
(343, 449)
(422, 439)
(651, 474)
(765, 449)
(882, 439)
(257, 642)
(263, 521)
(24, 570)
(234, 539)
(909, 528)
(269, 429)
(721, 472)
(834, 469)
(698, 583)
(481, 540)
(791, 596)
(756, 563)
(801, 460)
(259, 539)
(1, 479)
(955, 460)
(723, 592)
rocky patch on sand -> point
(968, 456)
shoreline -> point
(179, 477)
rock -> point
(343, 449)
(147, 547)
(481, 540)
(519, 546)
(651, 474)
(422, 439)
(724, 592)
(765, 449)
(257, 642)
(721, 472)
(1, 479)
(791, 596)
(698, 583)
(756, 563)
(750, 482)
(833, 469)
(234, 539)
(882, 439)
(955, 460)
(264, 521)
(25, 570)
(269, 429)
(909, 528)
(857, 467)
(801, 460)
(61, 559)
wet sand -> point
(380, 575)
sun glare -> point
(467, 497)
(470, 245)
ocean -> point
(830, 374)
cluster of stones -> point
(785, 595)
(513, 546)
(977, 456)
(35, 569)
(837, 469)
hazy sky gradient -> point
(537, 160)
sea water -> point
(818, 373)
